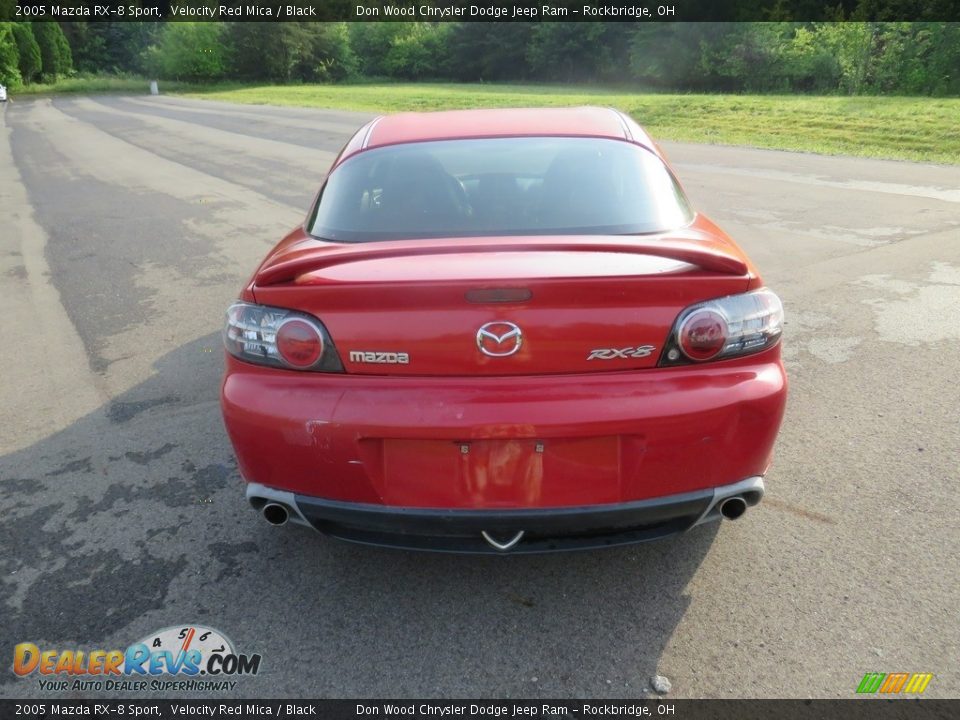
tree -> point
(87, 45)
(30, 62)
(852, 44)
(569, 50)
(8, 8)
(670, 55)
(55, 56)
(112, 47)
(124, 43)
(488, 51)
(419, 53)
(336, 56)
(371, 41)
(939, 53)
(318, 51)
(916, 58)
(290, 51)
(9, 69)
(808, 65)
(748, 57)
(188, 51)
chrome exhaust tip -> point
(732, 501)
(733, 507)
(275, 514)
(278, 507)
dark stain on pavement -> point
(226, 554)
(797, 510)
(83, 465)
(174, 492)
(142, 458)
(91, 596)
(10, 487)
(16, 529)
(121, 412)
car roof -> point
(506, 122)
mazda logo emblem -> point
(499, 339)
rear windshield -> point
(502, 186)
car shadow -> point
(133, 519)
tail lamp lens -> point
(703, 334)
(279, 337)
(726, 327)
(299, 342)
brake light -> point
(702, 334)
(726, 327)
(279, 337)
(299, 342)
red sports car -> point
(503, 330)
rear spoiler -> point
(706, 254)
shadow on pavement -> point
(133, 519)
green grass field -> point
(98, 84)
(906, 128)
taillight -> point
(299, 342)
(279, 337)
(724, 328)
(702, 334)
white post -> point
(154, 90)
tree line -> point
(916, 58)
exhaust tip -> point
(275, 514)
(733, 507)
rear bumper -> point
(515, 531)
(505, 443)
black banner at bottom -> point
(867, 709)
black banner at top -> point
(632, 11)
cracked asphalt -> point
(128, 224)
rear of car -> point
(523, 342)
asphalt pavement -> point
(128, 224)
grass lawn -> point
(96, 84)
(906, 128)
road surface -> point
(129, 224)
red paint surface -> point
(545, 427)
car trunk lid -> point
(503, 306)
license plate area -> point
(504, 473)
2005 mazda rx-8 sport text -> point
(503, 330)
